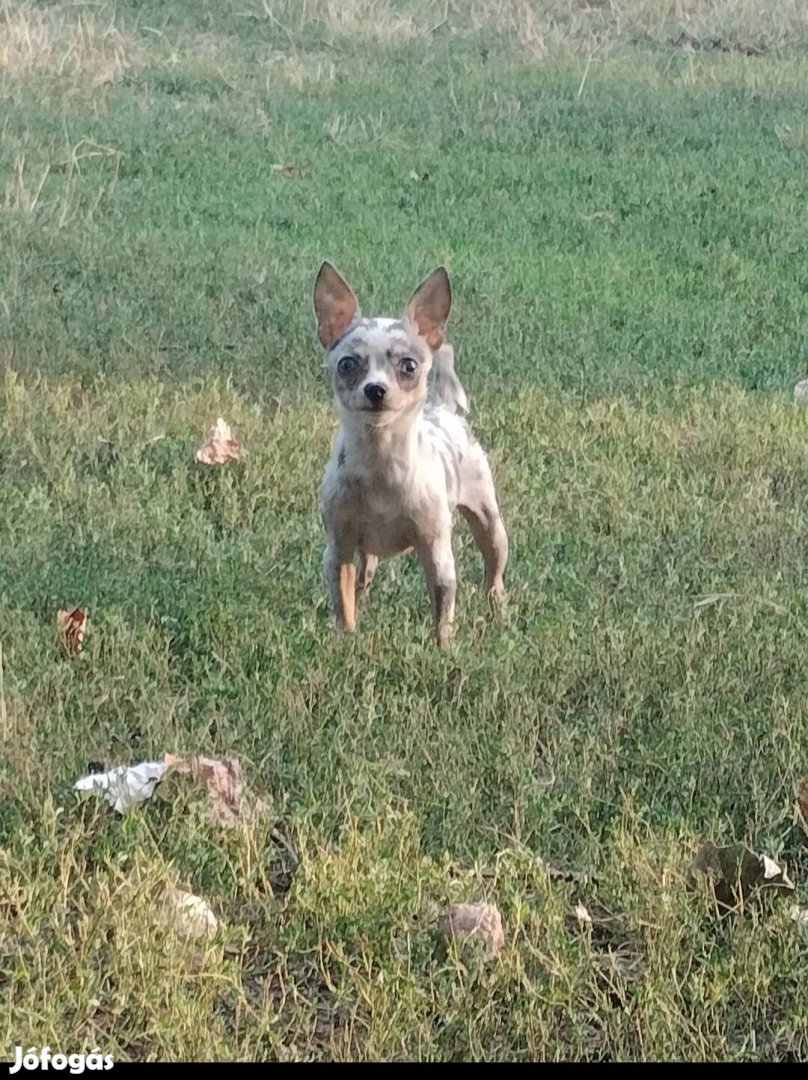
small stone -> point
(189, 916)
(801, 392)
(477, 920)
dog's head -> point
(380, 366)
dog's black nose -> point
(375, 392)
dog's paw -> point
(497, 602)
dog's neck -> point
(376, 446)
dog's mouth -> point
(376, 415)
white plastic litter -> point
(126, 787)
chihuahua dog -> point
(403, 459)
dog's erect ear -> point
(430, 305)
(334, 304)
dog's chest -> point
(389, 511)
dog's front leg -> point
(340, 573)
(437, 558)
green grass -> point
(623, 212)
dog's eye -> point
(409, 366)
(347, 365)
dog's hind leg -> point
(364, 574)
(478, 505)
(492, 540)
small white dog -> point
(403, 460)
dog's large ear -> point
(430, 305)
(334, 304)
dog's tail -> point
(446, 389)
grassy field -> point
(619, 191)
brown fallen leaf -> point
(72, 626)
(224, 784)
(478, 920)
(291, 172)
(735, 871)
(220, 447)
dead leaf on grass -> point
(72, 627)
(291, 172)
(224, 785)
(220, 447)
(735, 871)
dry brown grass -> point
(537, 28)
(299, 70)
(62, 41)
(540, 27)
(73, 195)
(67, 41)
(377, 20)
